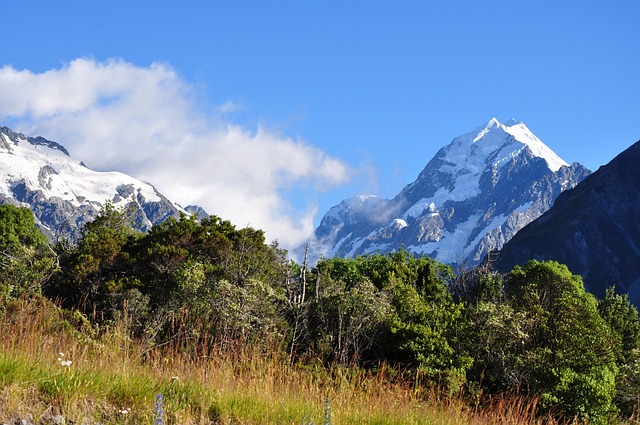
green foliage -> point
(587, 394)
(394, 307)
(17, 228)
(479, 284)
(347, 320)
(623, 319)
(534, 331)
(544, 335)
(218, 275)
(496, 338)
(570, 351)
(184, 280)
(420, 328)
(26, 260)
(95, 267)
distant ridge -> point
(64, 194)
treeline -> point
(534, 331)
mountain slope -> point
(472, 197)
(593, 229)
(64, 194)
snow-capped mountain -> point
(64, 194)
(593, 229)
(471, 198)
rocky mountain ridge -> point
(64, 194)
(470, 199)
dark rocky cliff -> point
(593, 228)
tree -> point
(411, 318)
(568, 353)
(347, 317)
(424, 329)
(97, 265)
(208, 275)
(622, 317)
(26, 259)
(479, 284)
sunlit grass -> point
(115, 380)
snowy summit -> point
(471, 198)
(492, 138)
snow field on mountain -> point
(56, 175)
(446, 212)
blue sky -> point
(269, 113)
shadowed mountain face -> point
(594, 229)
(471, 198)
(64, 194)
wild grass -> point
(113, 379)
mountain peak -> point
(64, 194)
(495, 123)
(522, 134)
(471, 197)
(512, 122)
(17, 138)
(501, 142)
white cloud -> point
(228, 106)
(144, 121)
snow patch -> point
(71, 182)
(364, 198)
(521, 133)
(398, 223)
(455, 246)
(356, 245)
(524, 207)
(377, 248)
(337, 246)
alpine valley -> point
(64, 194)
(470, 199)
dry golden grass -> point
(234, 385)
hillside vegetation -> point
(201, 322)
